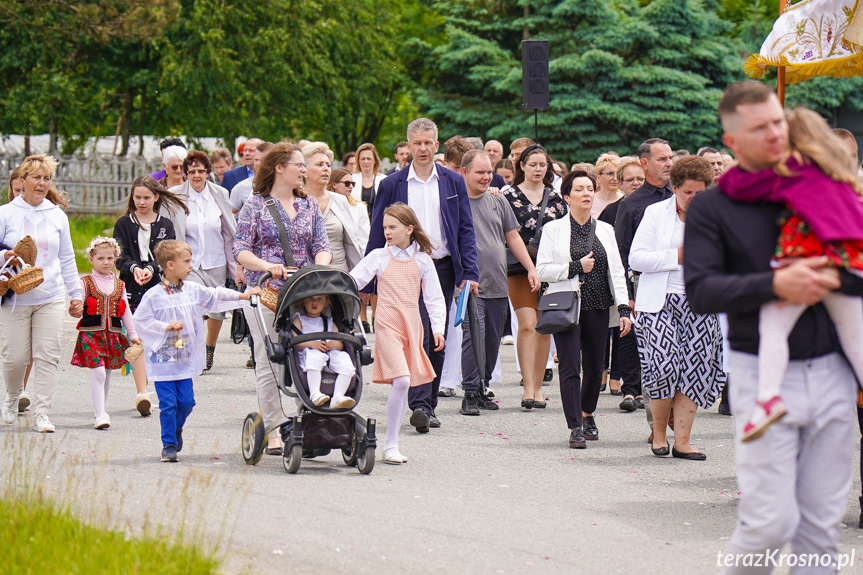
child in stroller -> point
(314, 356)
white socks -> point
(100, 382)
(396, 405)
(313, 376)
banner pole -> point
(780, 80)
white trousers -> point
(795, 478)
(36, 327)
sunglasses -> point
(192, 172)
(348, 183)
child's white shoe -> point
(103, 422)
(143, 404)
(392, 455)
(319, 398)
(342, 402)
(766, 414)
(23, 402)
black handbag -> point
(239, 326)
(561, 311)
(513, 266)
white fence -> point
(98, 184)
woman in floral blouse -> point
(258, 249)
(533, 176)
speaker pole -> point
(536, 126)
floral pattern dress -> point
(797, 240)
(100, 339)
(527, 213)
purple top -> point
(258, 233)
(833, 209)
(158, 175)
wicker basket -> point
(133, 352)
(27, 279)
(269, 297)
(4, 285)
(26, 248)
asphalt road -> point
(498, 493)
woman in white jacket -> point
(33, 320)
(681, 352)
(568, 263)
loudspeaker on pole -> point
(534, 75)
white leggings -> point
(396, 405)
(100, 382)
(775, 323)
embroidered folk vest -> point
(102, 311)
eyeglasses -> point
(348, 183)
(630, 180)
(175, 168)
(196, 171)
(607, 173)
(300, 165)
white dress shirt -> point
(424, 199)
(204, 231)
(376, 262)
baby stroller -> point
(313, 431)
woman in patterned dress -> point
(681, 351)
(258, 248)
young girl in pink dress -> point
(101, 342)
(819, 186)
(404, 269)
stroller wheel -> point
(292, 459)
(349, 454)
(254, 436)
(366, 461)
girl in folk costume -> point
(101, 343)
(820, 187)
(404, 270)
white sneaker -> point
(319, 398)
(43, 424)
(342, 402)
(143, 405)
(10, 409)
(103, 422)
(23, 402)
(393, 456)
(506, 340)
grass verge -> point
(48, 539)
(83, 230)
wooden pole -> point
(780, 80)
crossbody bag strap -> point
(546, 196)
(590, 237)
(283, 235)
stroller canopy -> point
(318, 280)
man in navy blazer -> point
(233, 177)
(446, 218)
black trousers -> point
(860, 423)
(612, 354)
(630, 364)
(425, 396)
(581, 350)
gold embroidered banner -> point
(813, 38)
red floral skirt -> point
(797, 240)
(100, 348)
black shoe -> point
(576, 439)
(591, 432)
(603, 387)
(860, 523)
(527, 403)
(639, 403)
(521, 383)
(434, 421)
(628, 404)
(537, 404)
(485, 402)
(169, 454)
(469, 406)
(724, 408)
(695, 456)
(366, 327)
(615, 391)
(420, 420)
(211, 350)
(272, 451)
(549, 375)
(660, 451)
(179, 440)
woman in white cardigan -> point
(681, 352)
(32, 322)
(568, 263)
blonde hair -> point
(168, 251)
(604, 160)
(313, 148)
(100, 241)
(812, 139)
(376, 169)
(406, 215)
(624, 163)
(38, 163)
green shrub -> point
(84, 229)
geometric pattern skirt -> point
(680, 350)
